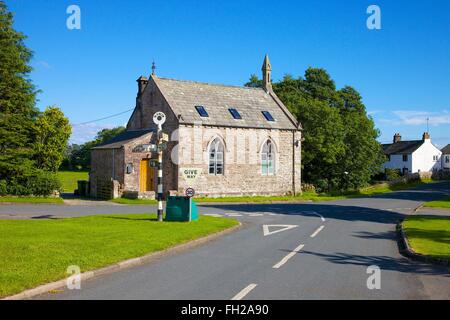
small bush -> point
(322, 185)
(306, 187)
(3, 189)
(393, 174)
(39, 183)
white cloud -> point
(85, 132)
(410, 117)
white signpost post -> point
(159, 118)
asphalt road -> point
(325, 256)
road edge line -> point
(244, 292)
(121, 265)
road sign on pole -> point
(190, 192)
(153, 163)
(141, 148)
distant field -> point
(69, 179)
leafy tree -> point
(107, 134)
(52, 132)
(17, 100)
(340, 150)
(363, 154)
(254, 82)
(80, 155)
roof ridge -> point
(211, 84)
(403, 141)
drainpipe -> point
(113, 165)
(293, 162)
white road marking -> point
(213, 215)
(315, 213)
(234, 215)
(256, 214)
(288, 256)
(244, 291)
(317, 231)
(284, 227)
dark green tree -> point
(340, 150)
(17, 101)
(363, 154)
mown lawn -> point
(35, 252)
(31, 200)
(443, 203)
(69, 179)
(134, 201)
(429, 235)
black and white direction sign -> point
(279, 228)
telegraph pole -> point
(159, 118)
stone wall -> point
(242, 168)
(106, 165)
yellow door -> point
(147, 176)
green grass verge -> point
(311, 196)
(306, 196)
(429, 235)
(69, 179)
(134, 201)
(34, 252)
(443, 203)
(32, 200)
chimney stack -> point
(426, 136)
(142, 83)
(397, 138)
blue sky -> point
(402, 71)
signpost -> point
(159, 118)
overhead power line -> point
(104, 118)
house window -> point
(129, 168)
(447, 159)
(405, 157)
(216, 157)
(435, 158)
(268, 159)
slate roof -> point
(122, 139)
(446, 149)
(402, 147)
(183, 96)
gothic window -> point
(216, 157)
(268, 159)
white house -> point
(412, 156)
(446, 158)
